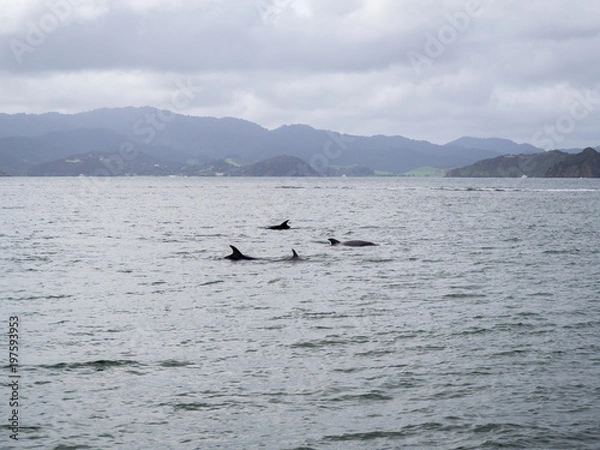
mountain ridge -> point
(30, 139)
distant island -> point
(555, 164)
(147, 141)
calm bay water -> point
(474, 324)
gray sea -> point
(474, 324)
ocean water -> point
(474, 324)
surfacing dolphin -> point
(236, 255)
(356, 243)
(282, 226)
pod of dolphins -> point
(237, 255)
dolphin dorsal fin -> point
(236, 252)
(294, 254)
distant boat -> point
(523, 176)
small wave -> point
(379, 260)
(474, 330)
(561, 252)
(71, 447)
(42, 297)
(324, 315)
(208, 283)
(99, 365)
(319, 343)
(463, 295)
(409, 430)
(566, 190)
(372, 354)
(200, 406)
(366, 436)
(489, 427)
(515, 352)
(26, 429)
(369, 396)
(477, 189)
(29, 258)
(582, 325)
(175, 363)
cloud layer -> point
(434, 70)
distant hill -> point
(19, 155)
(583, 165)
(27, 140)
(278, 166)
(103, 164)
(545, 164)
(497, 145)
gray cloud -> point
(425, 69)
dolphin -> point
(295, 256)
(236, 255)
(351, 243)
(281, 226)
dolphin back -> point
(358, 243)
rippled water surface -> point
(474, 324)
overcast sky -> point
(527, 70)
